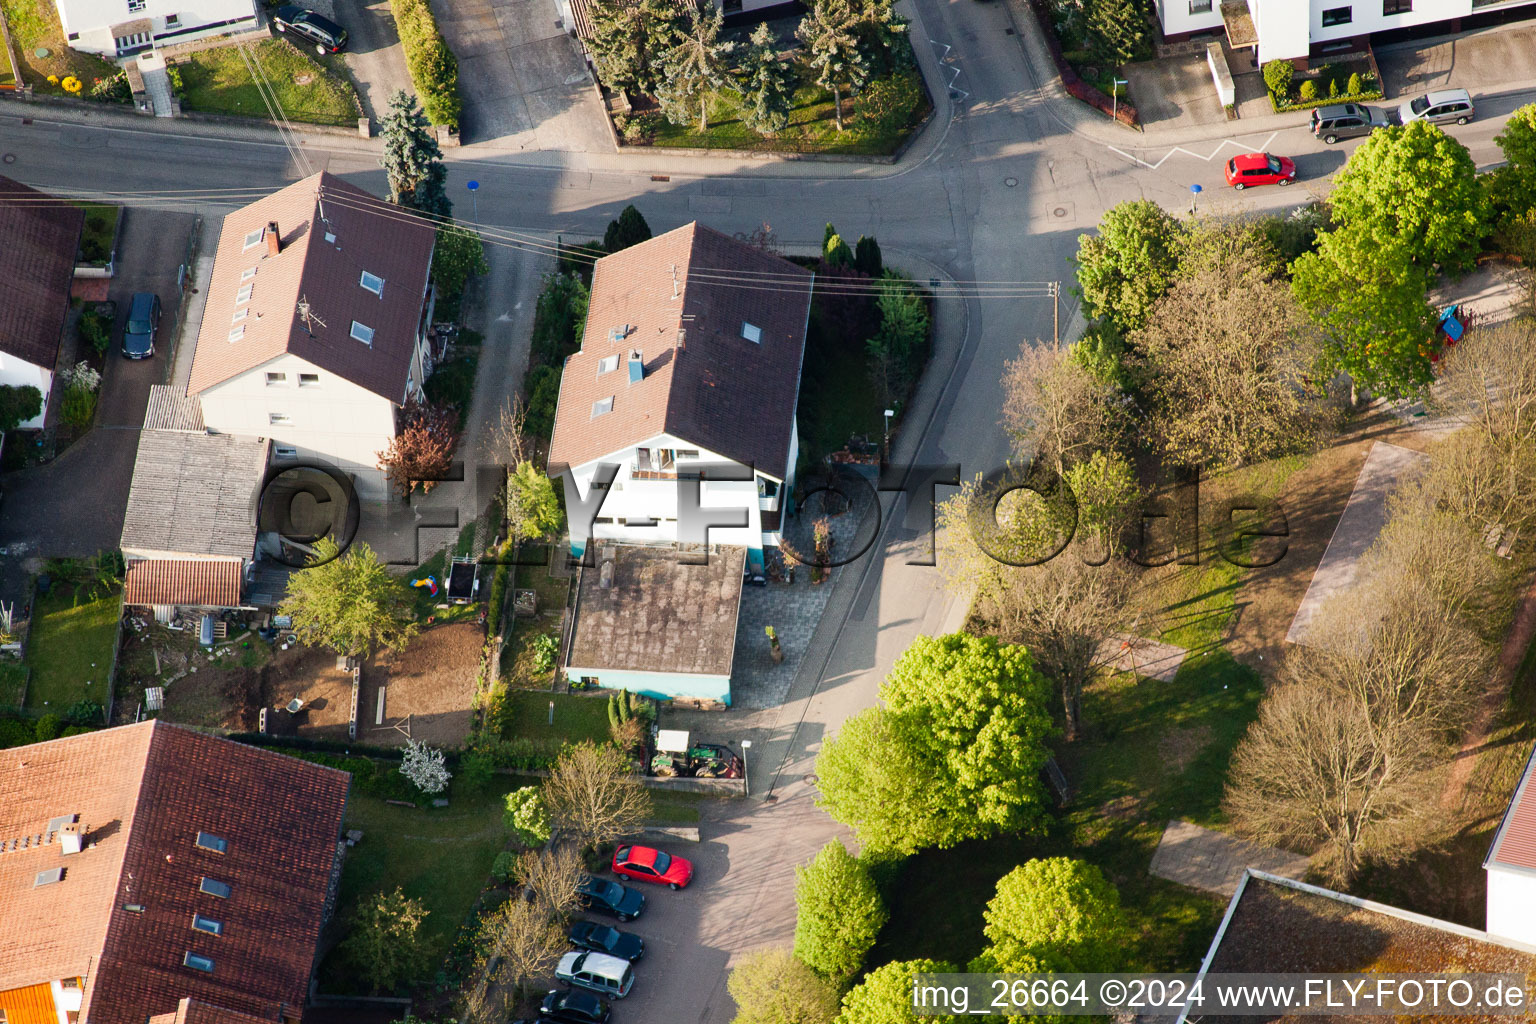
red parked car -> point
(1260, 169)
(644, 864)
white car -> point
(1440, 107)
(606, 975)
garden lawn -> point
(13, 684)
(217, 81)
(875, 123)
(71, 644)
(100, 232)
(34, 25)
(436, 567)
(577, 718)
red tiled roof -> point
(370, 235)
(37, 264)
(202, 584)
(143, 793)
(190, 1011)
(1514, 845)
(716, 389)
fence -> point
(11, 62)
(357, 686)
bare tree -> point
(551, 875)
(526, 943)
(506, 440)
(1228, 354)
(593, 794)
(1057, 412)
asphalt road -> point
(1003, 197)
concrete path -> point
(1364, 516)
(157, 83)
(1214, 861)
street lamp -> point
(1194, 193)
(746, 781)
(1114, 100)
(474, 186)
(888, 414)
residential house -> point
(153, 872)
(37, 262)
(1316, 29)
(119, 28)
(1278, 925)
(690, 359)
(189, 533)
(315, 333)
(1511, 865)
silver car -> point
(1441, 107)
(1346, 121)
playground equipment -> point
(430, 582)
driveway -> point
(374, 58)
(74, 505)
(1490, 61)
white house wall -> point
(88, 23)
(1180, 16)
(334, 420)
(1511, 904)
(20, 373)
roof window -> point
(198, 962)
(48, 877)
(607, 364)
(207, 924)
(247, 273)
(244, 294)
(373, 283)
(237, 333)
(752, 333)
(207, 840)
(362, 332)
(602, 407)
(253, 238)
(214, 887)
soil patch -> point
(1178, 748)
(428, 689)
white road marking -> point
(945, 65)
(1189, 152)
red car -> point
(644, 864)
(1260, 169)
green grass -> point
(69, 645)
(35, 24)
(100, 231)
(875, 123)
(217, 81)
(577, 718)
(437, 567)
(13, 683)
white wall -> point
(91, 20)
(1511, 904)
(335, 420)
(1283, 34)
(18, 373)
(1176, 16)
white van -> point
(604, 974)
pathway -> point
(1205, 859)
(157, 83)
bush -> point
(95, 330)
(545, 646)
(18, 403)
(473, 772)
(370, 777)
(78, 407)
(1333, 88)
(528, 817)
(433, 67)
(543, 393)
(47, 727)
(1355, 86)
(1308, 91)
(113, 90)
(16, 732)
(85, 712)
(519, 755)
(1278, 76)
(504, 867)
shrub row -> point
(1073, 83)
(433, 67)
(1286, 105)
(18, 732)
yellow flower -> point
(53, 79)
(72, 84)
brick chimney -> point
(274, 240)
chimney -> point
(71, 838)
(274, 240)
(636, 366)
(605, 575)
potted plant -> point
(774, 650)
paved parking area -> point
(1490, 61)
(74, 505)
(1174, 89)
(374, 58)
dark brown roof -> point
(190, 1011)
(204, 583)
(370, 235)
(716, 389)
(37, 262)
(143, 793)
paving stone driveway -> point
(1204, 859)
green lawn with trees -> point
(218, 81)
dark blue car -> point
(621, 901)
(573, 1007)
(143, 321)
(602, 938)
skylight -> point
(240, 314)
(602, 407)
(237, 333)
(362, 332)
(207, 840)
(607, 364)
(373, 283)
(207, 924)
(752, 333)
(48, 877)
(247, 273)
(198, 962)
(244, 294)
(214, 887)
(253, 238)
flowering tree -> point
(424, 767)
(528, 817)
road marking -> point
(946, 65)
(1189, 152)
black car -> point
(602, 938)
(610, 897)
(327, 36)
(143, 321)
(573, 1006)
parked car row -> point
(601, 964)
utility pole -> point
(1056, 315)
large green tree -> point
(694, 67)
(1370, 301)
(772, 987)
(1414, 190)
(885, 996)
(412, 159)
(1129, 264)
(386, 945)
(349, 602)
(1117, 30)
(831, 33)
(961, 735)
(458, 255)
(767, 84)
(629, 40)
(627, 229)
(533, 508)
(1055, 914)
(839, 913)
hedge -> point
(1074, 84)
(433, 67)
(1286, 105)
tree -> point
(1058, 412)
(901, 339)
(459, 255)
(1371, 305)
(1108, 496)
(412, 159)
(348, 603)
(884, 995)
(767, 84)
(1058, 915)
(628, 40)
(18, 404)
(475, 770)
(551, 876)
(1129, 264)
(830, 33)
(525, 943)
(1512, 188)
(386, 944)
(772, 987)
(878, 27)
(1414, 190)
(421, 452)
(835, 252)
(592, 794)
(424, 767)
(694, 67)
(867, 258)
(1117, 30)
(533, 508)
(628, 229)
(839, 913)
(1278, 75)
(1229, 358)
(527, 815)
(963, 730)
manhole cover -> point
(1060, 211)
(9, 158)
(42, 53)
(1010, 182)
